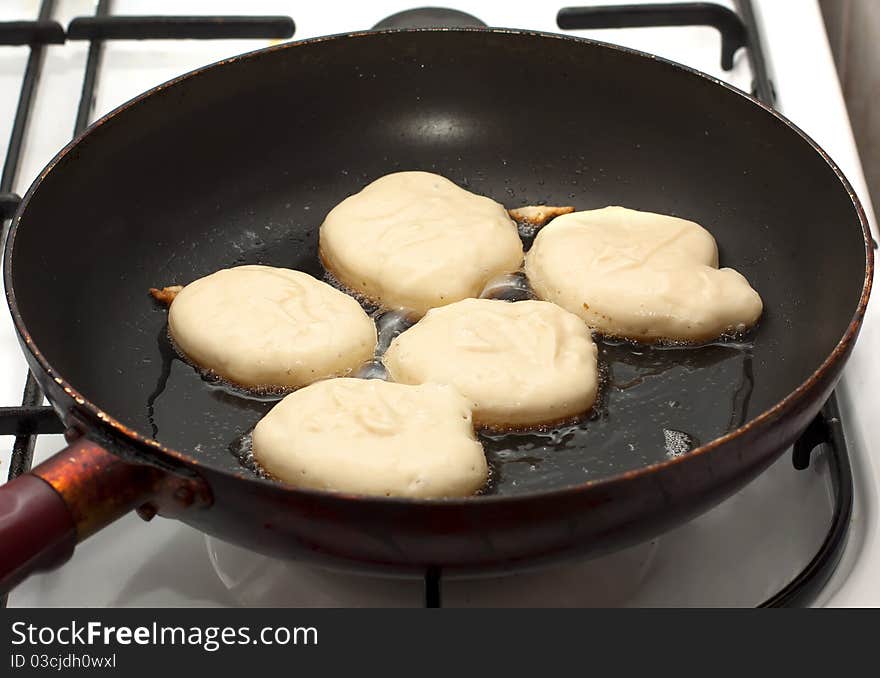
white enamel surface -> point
(168, 564)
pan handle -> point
(36, 529)
(69, 497)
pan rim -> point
(150, 446)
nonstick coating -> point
(240, 163)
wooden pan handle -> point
(36, 529)
(69, 497)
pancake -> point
(520, 364)
(373, 437)
(640, 276)
(263, 327)
(415, 240)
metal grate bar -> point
(24, 421)
(8, 205)
(25, 100)
(23, 447)
(31, 33)
(90, 79)
(433, 579)
(728, 23)
(179, 27)
(762, 86)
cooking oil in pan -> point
(656, 402)
(678, 442)
(242, 448)
(372, 369)
(173, 361)
(389, 324)
(508, 287)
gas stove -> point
(803, 533)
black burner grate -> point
(738, 30)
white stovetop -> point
(165, 563)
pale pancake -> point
(520, 364)
(264, 327)
(416, 240)
(368, 436)
(641, 276)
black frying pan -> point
(239, 162)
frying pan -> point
(239, 162)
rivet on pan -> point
(147, 512)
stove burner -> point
(255, 580)
(430, 17)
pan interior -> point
(239, 164)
